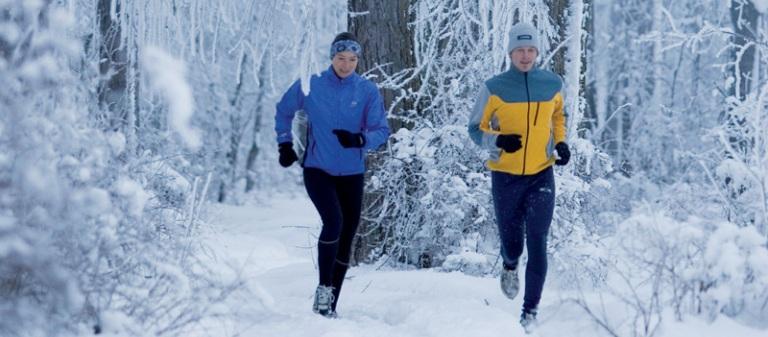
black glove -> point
(287, 154)
(348, 139)
(563, 152)
(509, 143)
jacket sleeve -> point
(376, 129)
(558, 119)
(292, 101)
(479, 136)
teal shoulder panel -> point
(510, 86)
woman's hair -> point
(344, 36)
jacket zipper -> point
(338, 114)
(527, 122)
(314, 146)
(310, 144)
(538, 104)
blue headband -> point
(346, 45)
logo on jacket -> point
(353, 104)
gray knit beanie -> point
(523, 35)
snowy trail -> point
(273, 247)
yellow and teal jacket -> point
(524, 103)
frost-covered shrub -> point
(86, 243)
(427, 201)
(696, 265)
(739, 167)
(734, 276)
(468, 259)
(37, 189)
(574, 242)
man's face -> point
(344, 63)
(524, 57)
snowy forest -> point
(129, 130)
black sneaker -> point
(528, 320)
(323, 301)
(510, 284)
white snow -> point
(761, 5)
(32, 5)
(468, 261)
(116, 141)
(9, 32)
(167, 75)
(273, 243)
(44, 66)
(136, 197)
(92, 201)
(62, 17)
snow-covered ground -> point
(272, 246)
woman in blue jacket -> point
(346, 118)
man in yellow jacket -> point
(519, 118)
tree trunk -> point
(253, 153)
(595, 110)
(112, 66)
(381, 28)
(744, 17)
(236, 132)
(561, 18)
(557, 10)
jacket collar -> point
(513, 71)
(511, 85)
(330, 75)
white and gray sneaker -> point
(528, 320)
(510, 284)
(323, 301)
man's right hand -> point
(509, 143)
(287, 154)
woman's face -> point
(524, 57)
(344, 63)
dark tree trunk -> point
(113, 67)
(253, 153)
(236, 135)
(381, 28)
(590, 113)
(744, 17)
(387, 42)
(557, 10)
